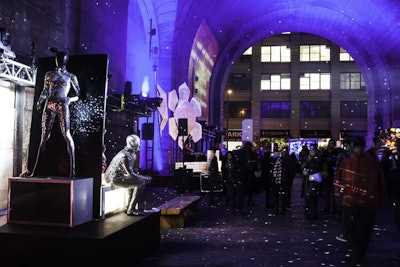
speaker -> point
(147, 131)
(208, 183)
(182, 127)
(183, 180)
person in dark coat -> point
(228, 178)
(313, 178)
(329, 156)
(267, 164)
(303, 159)
(213, 175)
(242, 172)
(345, 215)
(293, 169)
(253, 168)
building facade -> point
(296, 85)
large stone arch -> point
(330, 23)
(363, 28)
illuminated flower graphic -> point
(183, 107)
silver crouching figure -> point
(120, 173)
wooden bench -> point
(174, 212)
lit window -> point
(279, 81)
(315, 81)
(304, 53)
(265, 54)
(248, 52)
(285, 81)
(325, 81)
(315, 53)
(265, 82)
(344, 56)
(275, 54)
(325, 52)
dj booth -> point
(194, 174)
(196, 156)
(197, 166)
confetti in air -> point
(85, 114)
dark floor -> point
(217, 237)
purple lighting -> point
(368, 30)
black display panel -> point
(87, 123)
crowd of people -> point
(350, 181)
(247, 170)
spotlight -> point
(154, 102)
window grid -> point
(353, 109)
(351, 81)
(275, 54)
(240, 81)
(279, 81)
(344, 56)
(315, 53)
(315, 81)
(238, 109)
(270, 109)
(315, 109)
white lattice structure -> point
(15, 72)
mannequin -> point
(57, 85)
(120, 173)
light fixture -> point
(153, 102)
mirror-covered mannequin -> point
(120, 173)
(57, 85)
